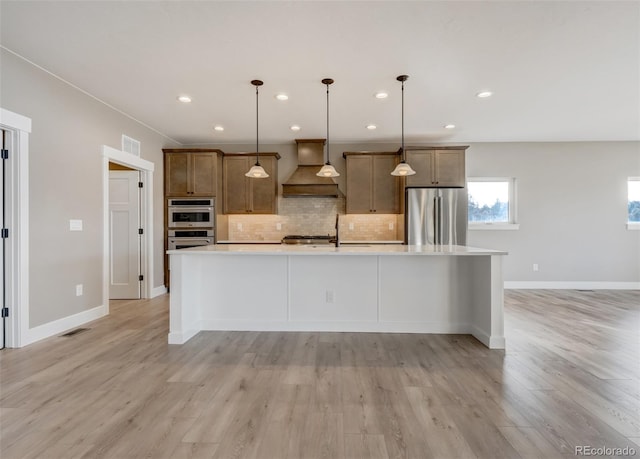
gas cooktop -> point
(306, 239)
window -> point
(492, 203)
(633, 202)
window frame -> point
(634, 226)
(512, 224)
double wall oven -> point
(191, 222)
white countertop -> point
(346, 249)
(279, 241)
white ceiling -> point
(560, 71)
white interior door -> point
(124, 240)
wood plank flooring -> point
(569, 377)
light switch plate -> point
(75, 225)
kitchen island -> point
(351, 288)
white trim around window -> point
(493, 226)
(512, 224)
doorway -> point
(139, 171)
(125, 233)
(5, 288)
(14, 229)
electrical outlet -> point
(79, 290)
(330, 296)
(351, 226)
(391, 225)
(75, 225)
(239, 226)
(536, 267)
(278, 226)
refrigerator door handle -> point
(436, 220)
(440, 222)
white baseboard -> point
(157, 291)
(335, 326)
(572, 285)
(182, 337)
(66, 323)
(492, 342)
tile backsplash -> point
(316, 216)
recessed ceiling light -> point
(218, 128)
(449, 126)
(371, 127)
(295, 127)
(282, 97)
(484, 94)
(184, 99)
(381, 95)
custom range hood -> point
(304, 181)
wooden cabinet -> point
(191, 172)
(370, 186)
(436, 167)
(244, 195)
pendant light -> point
(403, 169)
(327, 170)
(257, 171)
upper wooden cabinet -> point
(436, 167)
(244, 195)
(370, 186)
(191, 172)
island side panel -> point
(243, 292)
(334, 293)
(184, 321)
(488, 300)
(497, 340)
(424, 294)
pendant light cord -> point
(328, 162)
(402, 79)
(403, 156)
(257, 110)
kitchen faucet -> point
(337, 240)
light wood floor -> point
(569, 377)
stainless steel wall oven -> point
(182, 239)
(191, 213)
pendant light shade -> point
(257, 171)
(327, 170)
(403, 169)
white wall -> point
(65, 179)
(572, 209)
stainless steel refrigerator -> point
(436, 216)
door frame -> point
(145, 168)
(19, 128)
